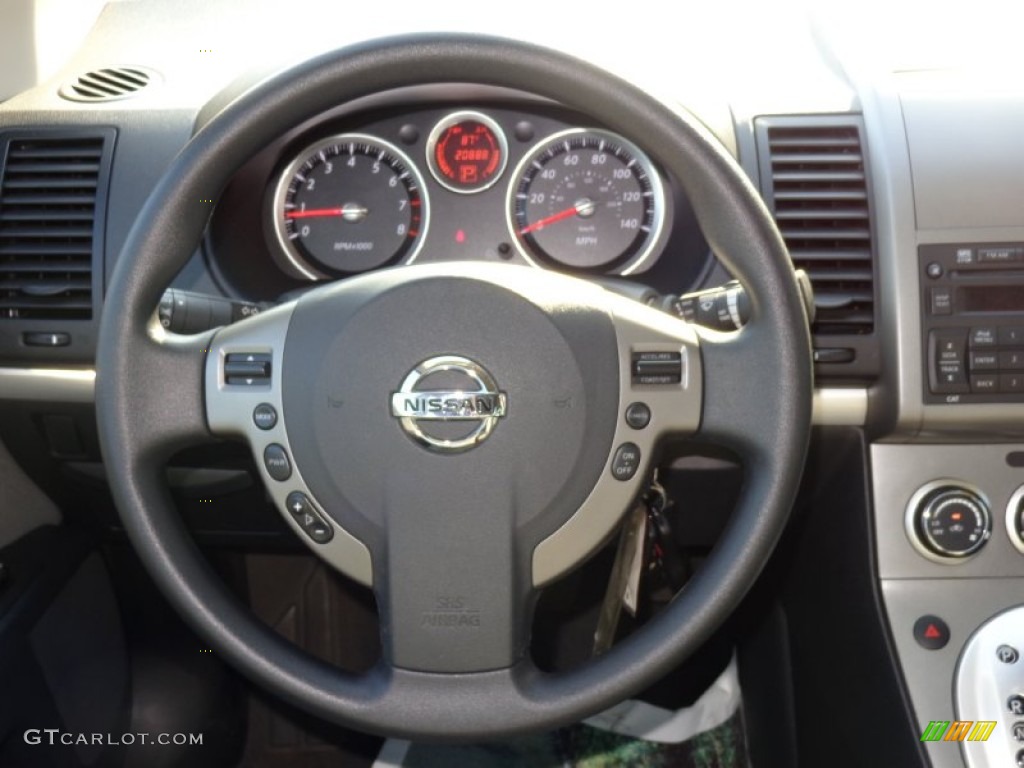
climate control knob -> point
(1015, 519)
(948, 521)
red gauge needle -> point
(349, 211)
(314, 212)
(581, 207)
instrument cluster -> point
(504, 182)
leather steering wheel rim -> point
(757, 392)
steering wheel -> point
(453, 435)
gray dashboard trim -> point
(835, 407)
(899, 471)
(899, 324)
(47, 384)
(832, 406)
(963, 134)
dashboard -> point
(900, 194)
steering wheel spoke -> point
(469, 606)
(162, 380)
(659, 395)
(243, 383)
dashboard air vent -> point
(48, 196)
(814, 178)
(110, 84)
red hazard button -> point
(931, 632)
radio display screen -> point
(990, 298)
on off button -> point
(626, 461)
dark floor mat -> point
(582, 746)
(335, 620)
(331, 619)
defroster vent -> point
(109, 84)
(814, 178)
(49, 189)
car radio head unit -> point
(972, 301)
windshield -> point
(686, 51)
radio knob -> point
(952, 522)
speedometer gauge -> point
(348, 204)
(589, 200)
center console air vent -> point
(814, 178)
(48, 225)
(818, 192)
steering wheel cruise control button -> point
(264, 416)
(657, 367)
(638, 415)
(308, 518)
(320, 532)
(275, 459)
(626, 461)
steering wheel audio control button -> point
(264, 416)
(626, 461)
(247, 369)
(275, 459)
(638, 415)
(308, 518)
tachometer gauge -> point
(347, 204)
(589, 200)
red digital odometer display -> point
(467, 152)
